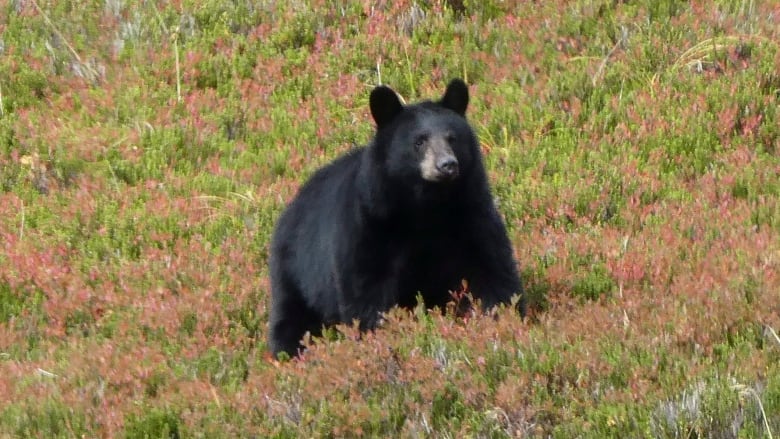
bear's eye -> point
(419, 142)
(451, 138)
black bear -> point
(410, 213)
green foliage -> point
(593, 281)
(52, 418)
(154, 423)
(224, 369)
(725, 403)
(447, 410)
(28, 87)
(18, 303)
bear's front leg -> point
(493, 276)
(368, 289)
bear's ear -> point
(385, 105)
(456, 97)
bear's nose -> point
(448, 167)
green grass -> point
(147, 149)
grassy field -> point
(147, 147)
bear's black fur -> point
(409, 213)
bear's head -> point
(426, 144)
